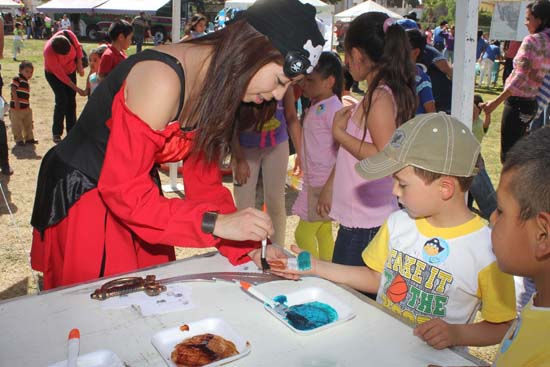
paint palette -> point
(319, 299)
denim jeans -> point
(484, 194)
(349, 246)
(516, 117)
(350, 243)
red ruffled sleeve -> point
(129, 192)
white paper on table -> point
(177, 297)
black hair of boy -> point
(443, 23)
(25, 64)
(61, 45)
(330, 64)
(529, 160)
(119, 27)
(417, 41)
(478, 99)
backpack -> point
(85, 62)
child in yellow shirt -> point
(521, 242)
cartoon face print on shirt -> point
(435, 251)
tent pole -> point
(464, 61)
(174, 186)
(176, 20)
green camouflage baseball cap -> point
(435, 142)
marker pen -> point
(73, 347)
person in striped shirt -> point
(20, 109)
(543, 99)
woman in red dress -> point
(98, 209)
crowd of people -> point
(392, 169)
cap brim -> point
(378, 166)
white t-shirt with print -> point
(429, 272)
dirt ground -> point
(16, 202)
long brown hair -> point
(390, 53)
(239, 51)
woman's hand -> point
(243, 225)
(489, 106)
(279, 266)
(340, 122)
(241, 171)
(274, 253)
(81, 92)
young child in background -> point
(93, 77)
(426, 100)
(431, 263)
(521, 242)
(18, 34)
(20, 109)
(324, 88)
(377, 50)
(482, 189)
(265, 148)
(120, 34)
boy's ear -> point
(415, 52)
(447, 187)
(542, 250)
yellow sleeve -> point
(377, 251)
(497, 293)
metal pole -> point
(176, 35)
(464, 60)
(176, 20)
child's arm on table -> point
(362, 278)
(440, 334)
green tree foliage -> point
(438, 10)
(399, 3)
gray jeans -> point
(273, 161)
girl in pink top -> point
(324, 88)
(376, 50)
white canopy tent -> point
(324, 15)
(365, 7)
(10, 4)
(69, 6)
(130, 7)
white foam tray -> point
(166, 340)
(313, 294)
(98, 358)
